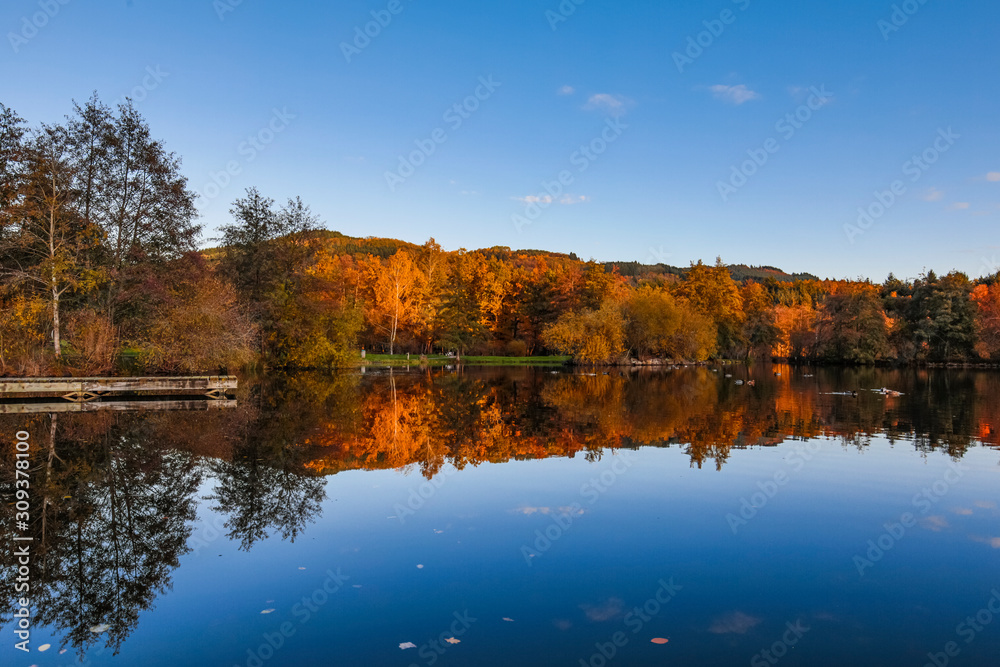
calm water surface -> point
(520, 517)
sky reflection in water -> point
(339, 520)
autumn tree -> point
(712, 291)
(432, 262)
(460, 322)
(320, 325)
(199, 324)
(759, 331)
(393, 293)
(659, 324)
(43, 241)
(987, 300)
(796, 337)
(590, 336)
(131, 187)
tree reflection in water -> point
(114, 495)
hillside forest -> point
(105, 269)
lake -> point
(519, 517)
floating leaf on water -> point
(302, 568)
(406, 645)
(61, 651)
(509, 620)
(659, 640)
(267, 611)
(420, 567)
(45, 647)
(452, 640)
(98, 629)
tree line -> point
(100, 271)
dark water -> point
(532, 518)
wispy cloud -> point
(604, 611)
(613, 105)
(737, 95)
(992, 541)
(565, 200)
(960, 206)
(569, 511)
(993, 177)
(735, 623)
(933, 194)
(567, 90)
(936, 523)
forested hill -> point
(740, 272)
(341, 244)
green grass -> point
(441, 360)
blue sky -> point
(666, 133)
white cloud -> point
(605, 611)
(960, 205)
(534, 199)
(737, 95)
(613, 105)
(933, 194)
(546, 200)
(993, 177)
(735, 623)
(567, 90)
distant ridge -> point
(386, 247)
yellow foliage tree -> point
(394, 289)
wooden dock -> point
(84, 390)
(22, 408)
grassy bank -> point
(400, 360)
